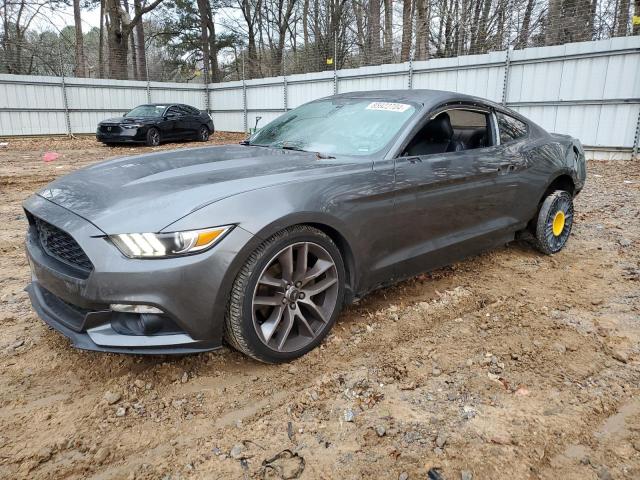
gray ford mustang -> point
(262, 244)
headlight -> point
(159, 245)
(131, 125)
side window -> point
(472, 128)
(185, 110)
(510, 128)
(454, 130)
(191, 110)
(174, 111)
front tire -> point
(203, 134)
(287, 296)
(554, 222)
(153, 137)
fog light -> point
(126, 308)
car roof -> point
(424, 96)
(165, 104)
(430, 99)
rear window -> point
(510, 128)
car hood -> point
(146, 193)
(115, 120)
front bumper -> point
(125, 135)
(192, 291)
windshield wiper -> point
(323, 156)
(249, 144)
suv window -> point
(510, 128)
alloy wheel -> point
(204, 134)
(295, 296)
(154, 137)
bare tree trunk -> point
(474, 26)
(80, 61)
(523, 37)
(481, 41)
(213, 47)
(361, 40)
(250, 14)
(132, 43)
(374, 31)
(422, 29)
(119, 27)
(140, 45)
(407, 30)
(622, 20)
(388, 30)
(448, 25)
(101, 42)
(204, 37)
(305, 23)
(501, 21)
(554, 23)
(117, 39)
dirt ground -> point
(508, 365)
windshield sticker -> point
(389, 106)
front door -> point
(172, 124)
(453, 203)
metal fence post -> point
(65, 99)
(284, 84)
(244, 99)
(146, 65)
(505, 81)
(335, 62)
(636, 140)
(206, 87)
(410, 79)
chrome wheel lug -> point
(298, 284)
(302, 295)
(292, 306)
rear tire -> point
(153, 137)
(554, 222)
(275, 316)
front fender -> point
(347, 206)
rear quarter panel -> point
(550, 156)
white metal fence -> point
(590, 90)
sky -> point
(58, 18)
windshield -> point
(344, 126)
(147, 111)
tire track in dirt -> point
(497, 365)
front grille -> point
(61, 245)
(110, 128)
